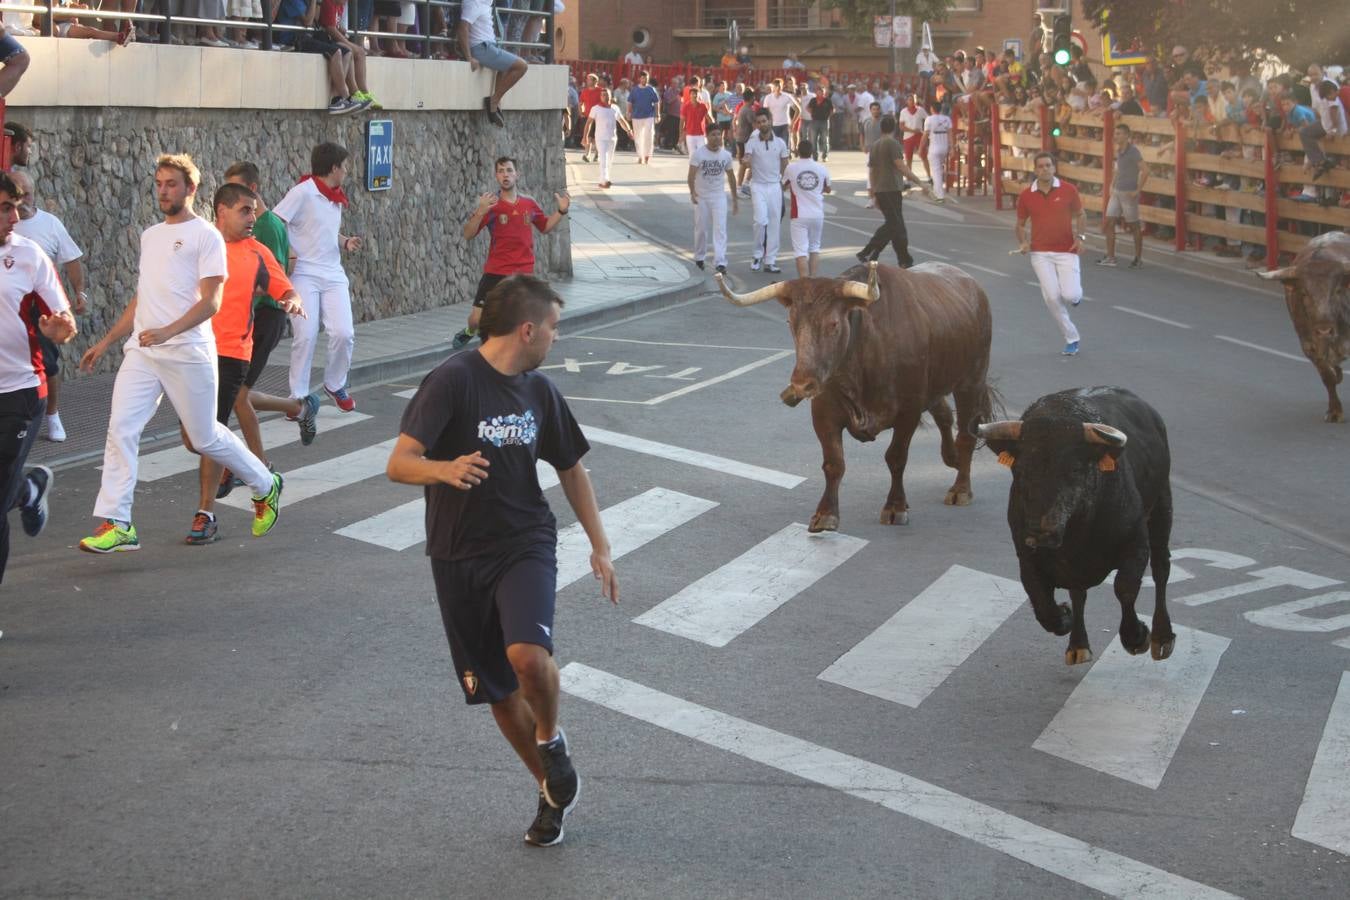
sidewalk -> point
(616, 273)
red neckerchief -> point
(334, 194)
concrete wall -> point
(94, 162)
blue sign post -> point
(379, 154)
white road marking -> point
(1323, 816)
(913, 652)
(912, 248)
(275, 433)
(1218, 559)
(730, 600)
(1060, 854)
(1127, 716)
(1290, 616)
(1144, 315)
(1262, 579)
(322, 477)
(691, 457)
(698, 386)
(405, 526)
(1233, 340)
(406, 395)
(971, 265)
(592, 337)
(630, 524)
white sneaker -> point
(754, 265)
(55, 431)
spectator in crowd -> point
(13, 63)
(780, 106)
(603, 122)
(935, 148)
(743, 57)
(67, 26)
(477, 43)
(570, 113)
(633, 57)
(20, 143)
(862, 108)
(887, 100)
(697, 115)
(620, 97)
(48, 232)
(671, 101)
(818, 109)
(590, 95)
(792, 62)
(728, 60)
(840, 116)
(744, 124)
(339, 68)
(871, 127)
(243, 11)
(1155, 84)
(644, 111)
(1129, 177)
(1039, 42)
(1331, 123)
(1129, 104)
(724, 105)
(332, 18)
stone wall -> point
(94, 170)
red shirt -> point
(695, 115)
(589, 97)
(1051, 216)
(330, 11)
(508, 224)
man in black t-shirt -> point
(472, 435)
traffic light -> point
(1061, 39)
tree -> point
(858, 14)
(1242, 32)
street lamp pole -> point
(891, 69)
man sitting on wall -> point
(305, 12)
(478, 44)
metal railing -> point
(46, 18)
(722, 17)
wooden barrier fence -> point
(1188, 156)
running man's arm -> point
(909, 173)
(731, 180)
(125, 323)
(693, 188)
(75, 275)
(211, 289)
(475, 223)
(1079, 229)
(576, 484)
(564, 204)
(409, 465)
(1023, 245)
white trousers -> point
(1061, 286)
(604, 148)
(710, 217)
(644, 133)
(768, 203)
(937, 165)
(187, 374)
(805, 234)
(327, 301)
(693, 141)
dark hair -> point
(229, 194)
(647, 75)
(503, 160)
(805, 148)
(749, 95)
(1327, 88)
(326, 157)
(874, 103)
(18, 134)
(245, 170)
(1044, 154)
(515, 301)
(1123, 127)
(7, 186)
(764, 113)
(887, 124)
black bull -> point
(877, 355)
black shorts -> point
(489, 603)
(229, 379)
(269, 324)
(318, 42)
(51, 356)
(485, 286)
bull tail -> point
(989, 407)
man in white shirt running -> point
(910, 118)
(171, 352)
(780, 107)
(809, 182)
(312, 211)
(47, 231)
(710, 168)
(934, 148)
(604, 121)
(29, 290)
(766, 156)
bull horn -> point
(1097, 433)
(773, 291)
(868, 293)
(1010, 430)
(1277, 274)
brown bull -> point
(1317, 290)
(876, 355)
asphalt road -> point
(868, 714)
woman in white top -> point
(603, 123)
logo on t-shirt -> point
(509, 429)
(503, 219)
(9, 262)
(177, 245)
(808, 181)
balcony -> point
(779, 15)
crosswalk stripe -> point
(691, 457)
(1127, 716)
(407, 394)
(405, 526)
(275, 433)
(913, 652)
(1060, 854)
(1324, 815)
(726, 602)
(329, 475)
(629, 524)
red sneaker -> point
(340, 397)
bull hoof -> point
(1333, 418)
(892, 516)
(1162, 648)
(1143, 642)
(822, 522)
(1077, 656)
(1065, 620)
(958, 498)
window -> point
(971, 6)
